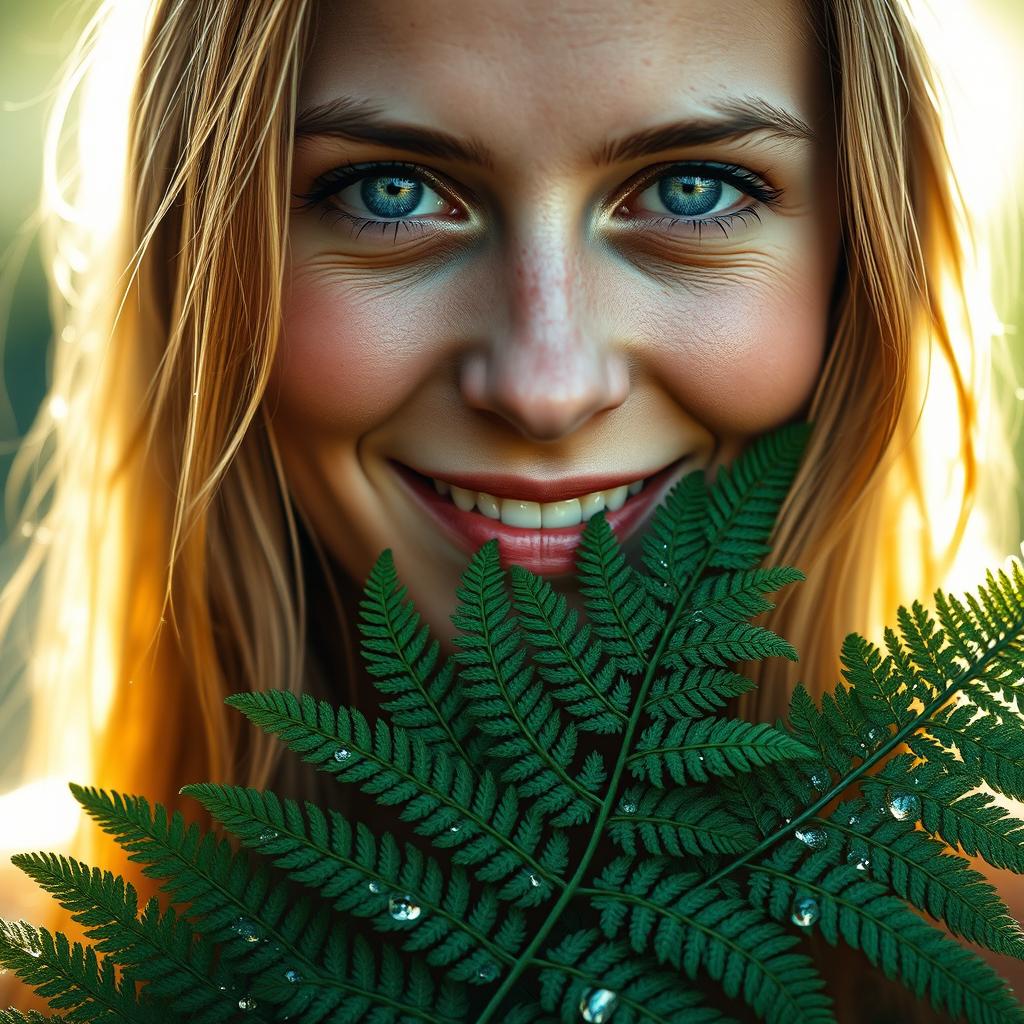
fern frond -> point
(676, 823)
(74, 978)
(511, 706)
(356, 985)
(747, 495)
(698, 749)
(812, 891)
(393, 639)
(703, 930)
(365, 876)
(13, 1016)
(623, 612)
(601, 978)
(438, 792)
(176, 963)
(568, 658)
(700, 643)
(675, 541)
(738, 596)
(694, 692)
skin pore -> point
(539, 313)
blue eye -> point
(399, 195)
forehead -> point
(559, 74)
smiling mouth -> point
(527, 514)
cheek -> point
(750, 353)
(346, 359)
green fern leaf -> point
(746, 497)
(702, 930)
(364, 876)
(509, 704)
(839, 901)
(699, 749)
(177, 964)
(619, 604)
(74, 978)
(601, 978)
(675, 541)
(393, 642)
(438, 792)
(567, 658)
(694, 692)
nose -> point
(546, 367)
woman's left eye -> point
(394, 195)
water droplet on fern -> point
(343, 754)
(627, 807)
(247, 1003)
(903, 806)
(373, 886)
(598, 1005)
(402, 908)
(246, 929)
(454, 828)
(815, 838)
(861, 861)
(487, 972)
(805, 911)
(267, 834)
(534, 881)
(820, 781)
(292, 975)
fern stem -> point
(606, 805)
(881, 753)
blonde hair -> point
(173, 573)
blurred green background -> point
(981, 40)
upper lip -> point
(507, 485)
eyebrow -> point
(358, 120)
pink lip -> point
(504, 485)
(547, 552)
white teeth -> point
(463, 498)
(520, 513)
(560, 513)
(616, 498)
(489, 505)
(591, 503)
(534, 515)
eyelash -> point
(335, 180)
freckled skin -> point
(535, 331)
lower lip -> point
(545, 552)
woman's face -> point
(589, 274)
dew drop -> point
(903, 806)
(805, 911)
(820, 781)
(697, 615)
(627, 807)
(342, 754)
(267, 834)
(247, 1003)
(861, 861)
(815, 838)
(292, 976)
(487, 972)
(373, 886)
(454, 828)
(534, 881)
(246, 929)
(598, 1005)
(402, 908)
